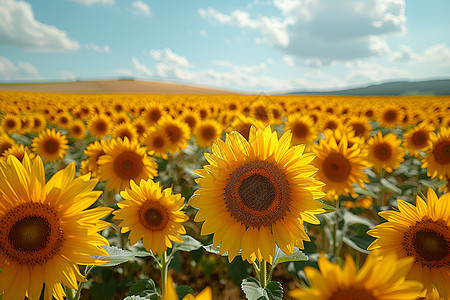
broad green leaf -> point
(189, 244)
(328, 208)
(351, 219)
(118, 256)
(211, 249)
(183, 290)
(281, 257)
(252, 289)
(390, 186)
(274, 290)
(144, 288)
(354, 245)
(136, 298)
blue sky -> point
(250, 46)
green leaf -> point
(281, 257)
(118, 256)
(390, 186)
(135, 298)
(354, 245)
(183, 290)
(274, 290)
(252, 289)
(189, 244)
(328, 208)
(211, 249)
(145, 288)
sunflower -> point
(51, 145)
(157, 142)
(257, 193)
(63, 120)
(18, 151)
(177, 131)
(384, 152)
(190, 117)
(360, 125)
(124, 160)
(5, 143)
(93, 151)
(46, 229)
(207, 132)
(302, 128)
(376, 280)
(390, 116)
(99, 126)
(140, 125)
(153, 113)
(120, 117)
(418, 138)
(339, 166)
(39, 123)
(242, 124)
(329, 121)
(123, 130)
(26, 124)
(77, 130)
(437, 160)
(170, 293)
(151, 214)
(421, 232)
(11, 123)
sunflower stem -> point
(164, 268)
(263, 273)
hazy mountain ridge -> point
(398, 88)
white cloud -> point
(323, 29)
(90, 2)
(439, 53)
(288, 60)
(141, 8)
(362, 71)
(100, 49)
(19, 28)
(169, 57)
(67, 76)
(141, 69)
(20, 71)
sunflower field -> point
(123, 196)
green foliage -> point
(145, 288)
(118, 256)
(183, 290)
(253, 290)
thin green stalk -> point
(164, 269)
(80, 285)
(69, 293)
(263, 273)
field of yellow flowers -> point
(108, 196)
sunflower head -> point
(99, 126)
(437, 160)
(339, 166)
(125, 160)
(152, 215)
(157, 142)
(77, 130)
(207, 132)
(11, 123)
(371, 282)
(418, 138)
(302, 128)
(51, 145)
(421, 232)
(385, 152)
(257, 193)
(47, 229)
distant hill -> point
(398, 88)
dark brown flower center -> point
(359, 129)
(336, 167)
(257, 194)
(173, 132)
(442, 152)
(428, 242)
(101, 126)
(158, 142)
(300, 130)
(208, 132)
(390, 115)
(51, 146)
(30, 234)
(419, 139)
(153, 216)
(383, 151)
(128, 165)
